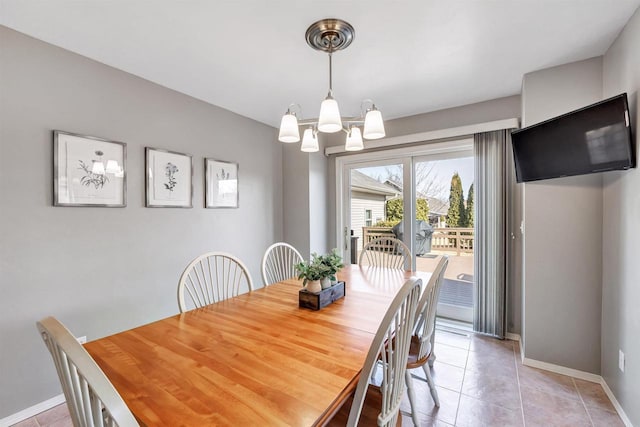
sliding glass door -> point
(444, 226)
(436, 186)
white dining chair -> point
(385, 251)
(278, 263)
(90, 396)
(380, 406)
(212, 277)
(422, 341)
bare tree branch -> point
(428, 183)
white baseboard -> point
(32, 410)
(516, 337)
(616, 404)
(512, 337)
(575, 373)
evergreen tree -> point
(422, 209)
(395, 210)
(456, 216)
(464, 219)
(470, 207)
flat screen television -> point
(595, 138)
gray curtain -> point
(493, 191)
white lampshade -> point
(97, 168)
(373, 125)
(309, 142)
(289, 131)
(329, 120)
(354, 140)
(112, 166)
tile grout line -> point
(453, 366)
(464, 374)
(452, 346)
(515, 361)
(584, 405)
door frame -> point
(407, 156)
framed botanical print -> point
(88, 171)
(221, 184)
(169, 179)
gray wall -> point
(296, 198)
(621, 234)
(306, 213)
(497, 109)
(104, 270)
(563, 233)
(318, 192)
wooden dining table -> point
(253, 360)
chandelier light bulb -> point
(309, 142)
(289, 131)
(354, 140)
(329, 120)
(373, 125)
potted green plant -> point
(334, 263)
(313, 271)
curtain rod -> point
(432, 135)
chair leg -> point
(432, 386)
(432, 357)
(412, 397)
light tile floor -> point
(480, 382)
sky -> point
(441, 172)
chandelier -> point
(331, 35)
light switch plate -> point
(621, 360)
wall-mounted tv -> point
(592, 139)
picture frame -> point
(221, 184)
(88, 171)
(169, 179)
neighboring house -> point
(437, 208)
(368, 198)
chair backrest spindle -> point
(90, 396)
(385, 251)
(426, 316)
(212, 277)
(278, 263)
(391, 345)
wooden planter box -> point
(322, 298)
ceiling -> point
(251, 57)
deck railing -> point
(370, 233)
(458, 240)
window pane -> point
(371, 190)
